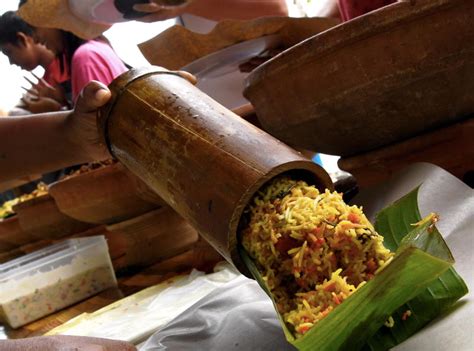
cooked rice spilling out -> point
(312, 249)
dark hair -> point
(10, 25)
(71, 44)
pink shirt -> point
(354, 8)
(53, 75)
(94, 60)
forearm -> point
(218, 10)
(36, 144)
(17, 345)
(64, 342)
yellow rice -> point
(312, 249)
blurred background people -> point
(84, 60)
(196, 15)
(347, 9)
(201, 16)
(350, 9)
(17, 43)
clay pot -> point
(41, 218)
(380, 165)
(106, 195)
(149, 238)
(11, 234)
(202, 159)
(375, 80)
(200, 256)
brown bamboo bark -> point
(203, 160)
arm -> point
(42, 89)
(64, 342)
(50, 141)
(216, 10)
(39, 104)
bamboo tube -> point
(202, 159)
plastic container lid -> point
(49, 255)
(55, 277)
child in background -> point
(85, 60)
(17, 43)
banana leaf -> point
(441, 294)
(421, 256)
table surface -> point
(127, 285)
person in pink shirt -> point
(349, 9)
(94, 60)
(86, 60)
(18, 44)
(354, 8)
(53, 75)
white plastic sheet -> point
(137, 316)
(239, 316)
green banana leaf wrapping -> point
(441, 294)
(419, 279)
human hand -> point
(43, 89)
(81, 124)
(65, 342)
(36, 104)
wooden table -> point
(451, 148)
(201, 257)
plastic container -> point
(40, 283)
